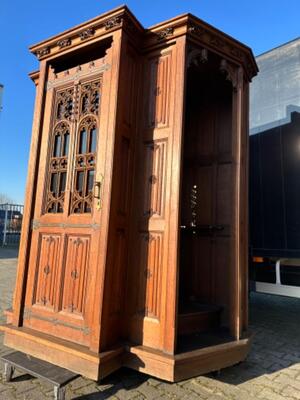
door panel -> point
(66, 230)
(47, 270)
(76, 273)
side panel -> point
(117, 254)
(152, 275)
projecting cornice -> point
(205, 35)
(196, 30)
(90, 31)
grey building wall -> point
(275, 91)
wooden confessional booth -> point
(134, 240)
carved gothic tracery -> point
(90, 98)
(77, 105)
(64, 104)
(58, 168)
(82, 196)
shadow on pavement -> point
(8, 252)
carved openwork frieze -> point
(64, 43)
(87, 33)
(113, 23)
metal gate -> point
(11, 216)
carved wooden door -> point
(66, 226)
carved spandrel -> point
(232, 73)
(197, 57)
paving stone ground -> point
(271, 371)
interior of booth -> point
(206, 207)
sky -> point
(261, 24)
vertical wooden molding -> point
(171, 288)
(107, 130)
(245, 198)
(236, 289)
(21, 280)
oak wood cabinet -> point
(134, 241)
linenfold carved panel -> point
(118, 271)
(129, 110)
(46, 281)
(150, 274)
(155, 178)
(159, 91)
(123, 200)
(76, 274)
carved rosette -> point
(87, 33)
(42, 52)
(217, 42)
(196, 30)
(64, 43)
(165, 33)
(113, 23)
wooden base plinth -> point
(189, 364)
(171, 368)
(63, 353)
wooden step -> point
(196, 317)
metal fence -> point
(11, 216)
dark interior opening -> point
(206, 208)
(85, 55)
